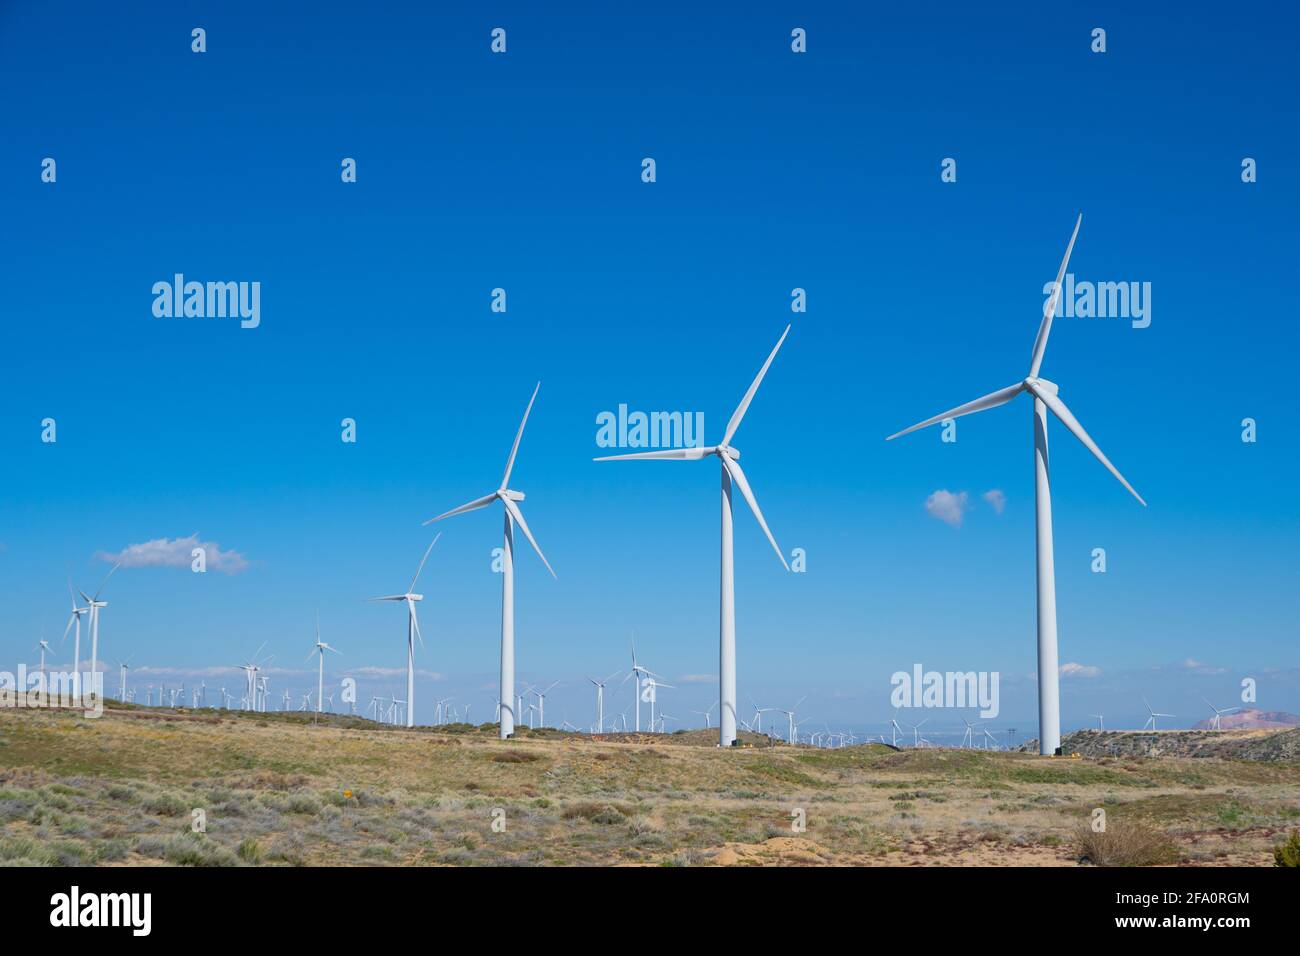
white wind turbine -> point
(1152, 715)
(74, 619)
(412, 629)
(319, 649)
(513, 516)
(1101, 720)
(44, 646)
(732, 474)
(124, 666)
(1045, 398)
(1219, 713)
(250, 669)
(706, 714)
(789, 714)
(600, 700)
(894, 728)
(638, 674)
(541, 702)
(95, 605)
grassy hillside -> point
(275, 789)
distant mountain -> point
(1252, 719)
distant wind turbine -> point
(1045, 398)
(1152, 715)
(600, 700)
(412, 629)
(95, 605)
(1218, 712)
(319, 649)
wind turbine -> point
(706, 713)
(790, 716)
(541, 703)
(75, 619)
(968, 739)
(893, 726)
(250, 669)
(1218, 713)
(439, 714)
(600, 700)
(1101, 719)
(755, 722)
(44, 645)
(513, 516)
(639, 673)
(94, 604)
(1045, 398)
(124, 666)
(412, 630)
(320, 648)
(731, 475)
(916, 733)
(1151, 719)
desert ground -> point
(130, 788)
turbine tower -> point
(412, 631)
(75, 619)
(513, 516)
(729, 458)
(1045, 398)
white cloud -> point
(996, 498)
(1200, 667)
(947, 507)
(1073, 669)
(176, 553)
(698, 679)
(387, 673)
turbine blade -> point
(389, 597)
(518, 516)
(739, 414)
(991, 400)
(514, 449)
(1069, 421)
(423, 559)
(738, 477)
(415, 620)
(1045, 327)
(673, 454)
(72, 619)
(468, 506)
(105, 581)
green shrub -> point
(250, 851)
(1288, 853)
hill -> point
(1252, 719)
(269, 789)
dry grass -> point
(1124, 844)
(121, 791)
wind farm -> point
(269, 362)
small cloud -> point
(698, 679)
(1073, 669)
(1200, 667)
(176, 553)
(996, 499)
(947, 507)
(387, 673)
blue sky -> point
(774, 171)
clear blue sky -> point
(775, 171)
